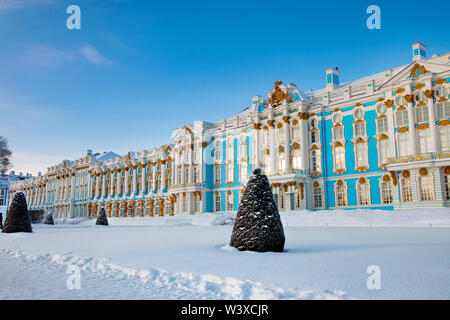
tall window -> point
(424, 140)
(386, 192)
(217, 202)
(383, 151)
(318, 197)
(230, 206)
(341, 196)
(297, 198)
(243, 170)
(218, 151)
(382, 125)
(196, 203)
(282, 200)
(315, 137)
(185, 203)
(295, 132)
(196, 174)
(447, 186)
(243, 150)
(443, 110)
(405, 186)
(421, 114)
(403, 143)
(401, 117)
(426, 188)
(217, 173)
(157, 208)
(2, 197)
(315, 161)
(339, 157)
(179, 176)
(444, 134)
(360, 129)
(186, 175)
(363, 194)
(230, 171)
(281, 162)
(361, 154)
(296, 159)
(338, 133)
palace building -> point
(381, 142)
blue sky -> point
(138, 69)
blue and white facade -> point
(5, 180)
(382, 141)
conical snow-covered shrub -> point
(17, 219)
(49, 219)
(102, 220)
(258, 225)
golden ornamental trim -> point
(389, 103)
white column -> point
(134, 183)
(126, 181)
(390, 120)
(272, 129)
(163, 175)
(287, 160)
(257, 144)
(304, 149)
(432, 118)
(412, 124)
(144, 173)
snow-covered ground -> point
(188, 258)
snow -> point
(188, 257)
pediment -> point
(415, 70)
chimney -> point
(39, 174)
(20, 174)
(12, 173)
(419, 51)
(89, 152)
(332, 78)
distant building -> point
(382, 141)
(5, 181)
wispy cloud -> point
(11, 5)
(48, 56)
(92, 55)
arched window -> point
(186, 174)
(426, 188)
(197, 202)
(243, 170)
(424, 140)
(339, 157)
(158, 183)
(296, 159)
(297, 198)
(317, 194)
(230, 205)
(341, 195)
(386, 192)
(169, 180)
(281, 162)
(363, 192)
(230, 171)
(444, 134)
(157, 208)
(406, 191)
(403, 143)
(217, 202)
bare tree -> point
(5, 155)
